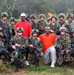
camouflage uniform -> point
(12, 27)
(63, 44)
(33, 23)
(18, 54)
(5, 31)
(35, 54)
(41, 25)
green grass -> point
(43, 70)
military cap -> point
(70, 16)
(54, 17)
(35, 31)
(63, 29)
(20, 29)
(61, 15)
(4, 14)
(42, 15)
(32, 16)
(49, 19)
(12, 19)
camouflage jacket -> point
(41, 25)
(37, 42)
(64, 41)
(33, 24)
(22, 41)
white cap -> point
(23, 14)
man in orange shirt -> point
(48, 41)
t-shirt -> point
(47, 40)
(26, 27)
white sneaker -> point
(52, 66)
(27, 63)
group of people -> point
(30, 39)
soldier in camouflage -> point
(53, 25)
(63, 45)
(61, 20)
(41, 24)
(4, 28)
(4, 54)
(12, 26)
(18, 42)
(36, 47)
(33, 23)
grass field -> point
(44, 70)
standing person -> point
(63, 43)
(70, 24)
(4, 28)
(36, 48)
(53, 26)
(33, 23)
(61, 20)
(48, 41)
(41, 23)
(25, 25)
(27, 31)
(12, 26)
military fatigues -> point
(33, 24)
(66, 45)
(35, 55)
(41, 26)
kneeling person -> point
(18, 43)
(36, 48)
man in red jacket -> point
(48, 41)
(27, 31)
(25, 25)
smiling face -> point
(63, 33)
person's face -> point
(42, 18)
(49, 21)
(53, 20)
(4, 18)
(47, 31)
(73, 35)
(33, 19)
(19, 33)
(63, 33)
(23, 18)
(35, 35)
(69, 19)
(12, 22)
(61, 19)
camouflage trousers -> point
(65, 57)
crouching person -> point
(4, 54)
(18, 43)
(36, 47)
(48, 41)
(63, 44)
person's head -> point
(54, 19)
(19, 31)
(63, 31)
(42, 17)
(12, 21)
(49, 20)
(4, 16)
(61, 17)
(33, 17)
(73, 33)
(23, 16)
(47, 30)
(69, 18)
(35, 33)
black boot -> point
(16, 68)
(68, 64)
